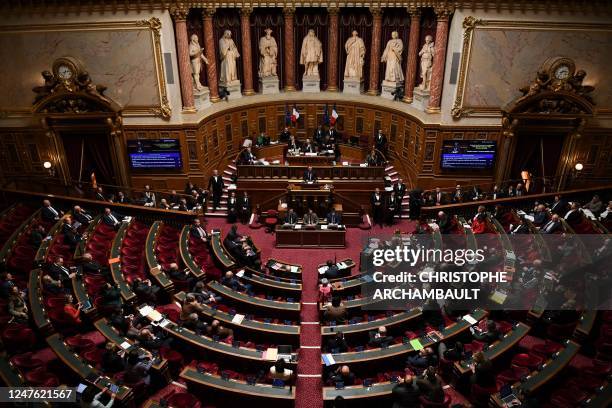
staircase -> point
(228, 174)
(392, 175)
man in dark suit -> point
(319, 135)
(111, 219)
(309, 147)
(247, 156)
(244, 208)
(122, 198)
(559, 206)
(475, 193)
(551, 226)
(458, 196)
(58, 271)
(377, 202)
(49, 213)
(100, 194)
(37, 236)
(333, 217)
(392, 208)
(333, 134)
(215, 185)
(496, 193)
(337, 344)
(406, 394)
(310, 218)
(439, 197)
(71, 236)
(82, 216)
(444, 222)
(490, 335)
(574, 215)
(332, 271)
(197, 231)
(521, 228)
(400, 189)
(232, 207)
(310, 175)
(291, 217)
(285, 135)
(293, 144)
(415, 202)
(380, 142)
(540, 216)
(373, 158)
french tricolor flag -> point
(334, 116)
(295, 115)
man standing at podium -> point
(310, 218)
(215, 185)
(310, 176)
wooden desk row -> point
(115, 267)
(37, 308)
(399, 349)
(284, 269)
(154, 267)
(272, 305)
(188, 260)
(266, 282)
(43, 251)
(78, 282)
(360, 327)
(310, 238)
(219, 251)
(226, 318)
(332, 173)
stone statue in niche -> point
(229, 53)
(355, 53)
(268, 51)
(427, 55)
(196, 53)
(311, 55)
(393, 57)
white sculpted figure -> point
(196, 53)
(229, 54)
(355, 53)
(427, 55)
(393, 57)
(312, 54)
(269, 51)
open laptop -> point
(284, 352)
(508, 397)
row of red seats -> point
(12, 220)
(132, 251)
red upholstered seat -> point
(530, 361)
(80, 343)
(271, 219)
(41, 378)
(480, 395)
(19, 337)
(26, 361)
(546, 349)
(94, 356)
(183, 400)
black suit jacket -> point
(83, 218)
(445, 224)
(284, 136)
(310, 176)
(376, 202)
(559, 207)
(109, 221)
(574, 217)
(309, 148)
(291, 218)
(194, 232)
(334, 218)
(400, 191)
(216, 186)
(245, 204)
(406, 395)
(48, 215)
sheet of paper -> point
(416, 344)
(271, 354)
(345, 163)
(155, 316)
(144, 311)
(323, 269)
(238, 318)
(498, 297)
(468, 318)
(328, 359)
(125, 345)
(298, 226)
(240, 273)
(323, 227)
(295, 268)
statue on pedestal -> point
(196, 53)
(268, 51)
(427, 55)
(393, 57)
(229, 53)
(311, 55)
(355, 53)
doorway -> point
(87, 152)
(539, 153)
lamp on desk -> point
(49, 167)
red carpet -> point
(309, 382)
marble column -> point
(413, 51)
(333, 54)
(247, 57)
(211, 54)
(179, 15)
(289, 49)
(437, 71)
(375, 50)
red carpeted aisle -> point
(309, 382)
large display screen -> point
(468, 154)
(155, 154)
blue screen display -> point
(468, 154)
(155, 154)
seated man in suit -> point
(496, 193)
(49, 213)
(342, 374)
(332, 271)
(81, 216)
(540, 216)
(439, 197)
(198, 231)
(574, 215)
(177, 274)
(595, 205)
(91, 267)
(231, 281)
(489, 336)
(215, 329)
(148, 197)
(337, 344)
(145, 290)
(379, 337)
(520, 228)
(406, 394)
(291, 217)
(37, 236)
(262, 139)
(244, 208)
(333, 218)
(444, 222)
(559, 206)
(310, 218)
(309, 147)
(293, 145)
(425, 358)
(52, 287)
(122, 198)
(58, 271)
(336, 311)
(309, 175)
(285, 135)
(246, 157)
(111, 219)
(100, 194)
(551, 226)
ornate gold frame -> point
(471, 23)
(154, 25)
